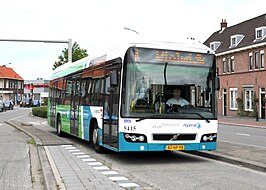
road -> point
(172, 170)
(248, 136)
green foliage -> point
(40, 111)
(45, 101)
(77, 54)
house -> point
(11, 84)
(36, 89)
(241, 64)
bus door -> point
(53, 103)
(111, 108)
(74, 106)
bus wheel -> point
(95, 141)
(58, 128)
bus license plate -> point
(175, 147)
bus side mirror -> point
(217, 83)
(113, 78)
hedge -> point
(40, 111)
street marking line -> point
(109, 172)
(128, 184)
(243, 144)
(1, 124)
(88, 159)
(67, 145)
(101, 168)
(78, 153)
(83, 156)
(54, 169)
(70, 148)
(119, 178)
(95, 163)
(243, 134)
(74, 150)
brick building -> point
(241, 63)
(11, 84)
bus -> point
(118, 100)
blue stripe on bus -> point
(86, 121)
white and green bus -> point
(117, 100)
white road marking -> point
(109, 172)
(243, 134)
(128, 184)
(243, 144)
(83, 156)
(119, 178)
(101, 168)
(1, 124)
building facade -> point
(11, 85)
(36, 89)
(240, 51)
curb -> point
(232, 160)
(242, 125)
(48, 176)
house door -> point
(262, 103)
(224, 103)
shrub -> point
(40, 111)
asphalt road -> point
(248, 136)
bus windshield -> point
(168, 84)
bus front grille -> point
(174, 137)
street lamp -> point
(3, 80)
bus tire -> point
(95, 140)
(58, 127)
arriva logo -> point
(189, 125)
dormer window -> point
(235, 40)
(260, 33)
(214, 45)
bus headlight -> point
(209, 137)
(130, 137)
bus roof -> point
(187, 45)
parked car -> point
(35, 103)
(9, 104)
(26, 102)
(2, 106)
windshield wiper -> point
(150, 117)
(201, 116)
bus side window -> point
(68, 92)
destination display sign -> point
(170, 56)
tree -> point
(77, 54)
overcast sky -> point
(98, 24)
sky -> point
(97, 25)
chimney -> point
(223, 24)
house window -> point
(256, 54)
(224, 65)
(250, 62)
(248, 99)
(236, 39)
(233, 97)
(259, 34)
(262, 59)
(232, 64)
(233, 42)
(228, 64)
(214, 45)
